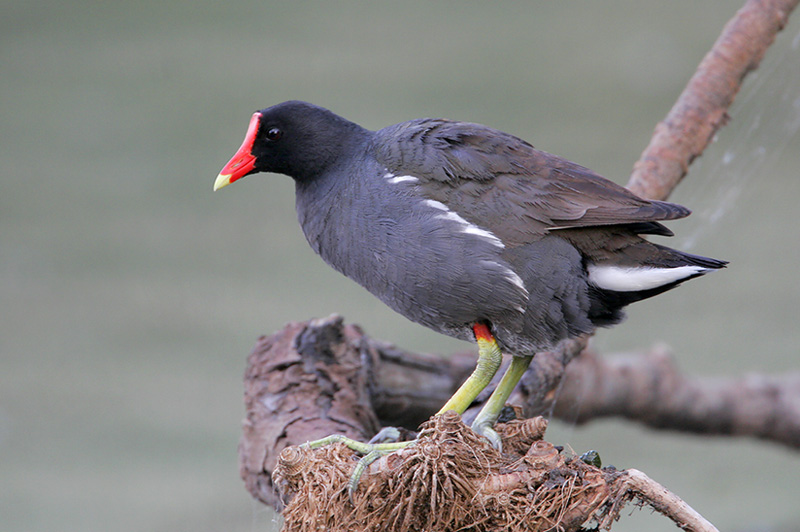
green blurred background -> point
(132, 294)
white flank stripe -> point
(517, 280)
(475, 230)
(453, 216)
(466, 227)
(391, 178)
(436, 205)
(471, 229)
(622, 279)
(403, 179)
(512, 276)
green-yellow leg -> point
(488, 415)
(489, 360)
(358, 446)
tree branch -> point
(635, 484)
(323, 377)
(315, 378)
(650, 389)
(702, 107)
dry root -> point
(450, 479)
(311, 380)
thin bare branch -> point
(636, 484)
(702, 108)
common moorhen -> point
(469, 231)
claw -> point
(485, 429)
(386, 435)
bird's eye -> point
(274, 134)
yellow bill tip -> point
(223, 180)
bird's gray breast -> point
(417, 255)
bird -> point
(469, 231)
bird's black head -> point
(294, 138)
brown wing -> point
(505, 185)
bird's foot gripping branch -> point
(323, 377)
(450, 479)
(370, 452)
(453, 479)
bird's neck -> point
(318, 208)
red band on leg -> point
(482, 332)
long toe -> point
(383, 443)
